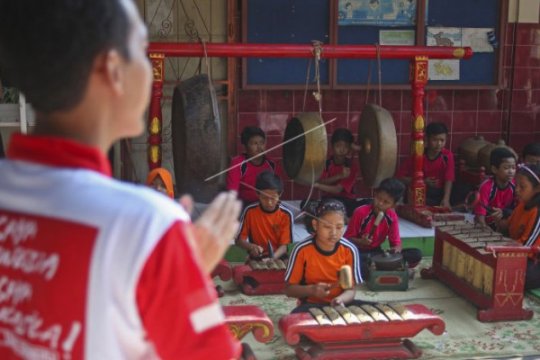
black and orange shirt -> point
(309, 264)
(524, 225)
(260, 226)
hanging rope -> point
(307, 85)
(368, 82)
(317, 51)
(379, 72)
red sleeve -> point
(234, 175)
(353, 228)
(279, 171)
(449, 174)
(348, 183)
(178, 305)
(484, 198)
(393, 231)
(405, 170)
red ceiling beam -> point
(306, 51)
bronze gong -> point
(198, 149)
(378, 144)
(304, 157)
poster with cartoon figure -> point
(377, 12)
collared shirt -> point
(441, 168)
(104, 269)
(493, 196)
(260, 226)
(243, 172)
(332, 169)
(363, 221)
(309, 264)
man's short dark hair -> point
(392, 187)
(498, 155)
(249, 132)
(267, 180)
(436, 128)
(532, 149)
(342, 134)
(48, 48)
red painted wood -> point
(270, 281)
(508, 262)
(306, 51)
(243, 319)
(375, 340)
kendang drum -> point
(305, 156)
(371, 331)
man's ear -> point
(110, 64)
(493, 169)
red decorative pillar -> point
(154, 113)
(417, 191)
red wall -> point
(465, 112)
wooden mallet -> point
(345, 280)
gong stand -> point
(418, 55)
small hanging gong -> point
(378, 142)
(305, 156)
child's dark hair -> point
(392, 187)
(532, 173)
(498, 155)
(250, 131)
(342, 134)
(330, 205)
(267, 180)
(436, 128)
(531, 149)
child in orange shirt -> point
(314, 264)
(266, 226)
(524, 223)
(161, 180)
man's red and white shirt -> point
(93, 268)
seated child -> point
(368, 239)
(438, 167)
(524, 223)
(161, 180)
(340, 172)
(266, 226)
(497, 192)
(531, 154)
(242, 174)
(312, 272)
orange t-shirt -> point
(259, 226)
(309, 264)
(524, 225)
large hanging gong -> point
(197, 140)
(304, 157)
(378, 143)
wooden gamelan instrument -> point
(378, 331)
(245, 319)
(261, 277)
(483, 266)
